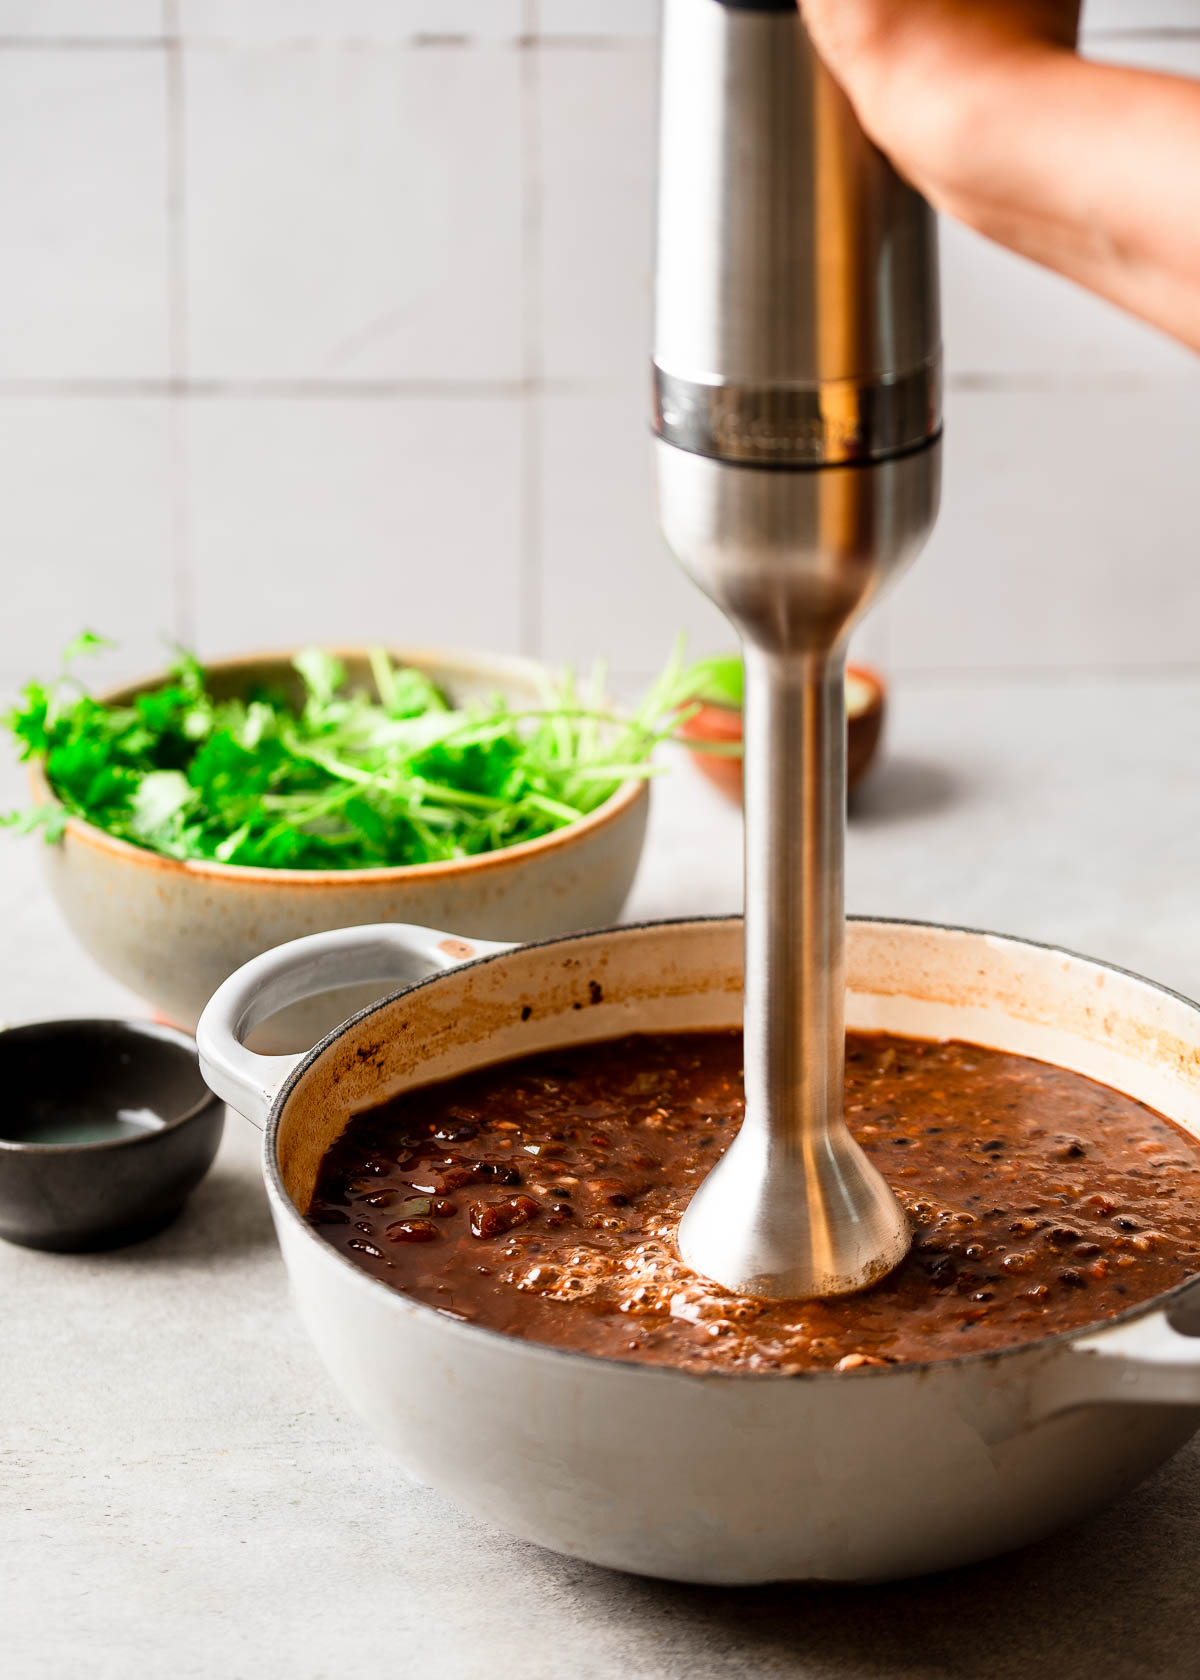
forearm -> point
(1089, 169)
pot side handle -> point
(303, 968)
(1145, 1362)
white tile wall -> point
(348, 20)
(95, 20)
(597, 19)
(610, 588)
(1130, 16)
(1066, 537)
(354, 519)
(83, 215)
(597, 146)
(1172, 49)
(1005, 317)
(329, 317)
(353, 215)
(85, 533)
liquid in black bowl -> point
(45, 1124)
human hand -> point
(987, 109)
(919, 71)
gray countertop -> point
(184, 1495)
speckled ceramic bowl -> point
(172, 931)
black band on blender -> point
(830, 424)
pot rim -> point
(618, 803)
(1046, 1344)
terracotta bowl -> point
(723, 725)
(173, 931)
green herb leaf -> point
(346, 779)
(51, 819)
(323, 674)
(717, 680)
(86, 642)
(416, 1207)
(157, 807)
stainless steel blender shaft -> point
(797, 370)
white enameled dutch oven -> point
(879, 1473)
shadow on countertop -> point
(1116, 1597)
(226, 1217)
(902, 788)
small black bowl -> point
(106, 1127)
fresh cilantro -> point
(718, 681)
(338, 779)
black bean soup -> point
(540, 1198)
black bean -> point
(1062, 1236)
(1069, 1150)
(454, 1178)
(412, 1231)
(492, 1219)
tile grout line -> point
(1084, 671)
(451, 390)
(81, 43)
(534, 383)
(424, 40)
(529, 628)
(984, 677)
(183, 572)
(1032, 383)
(420, 40)
(1143, 32)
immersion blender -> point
(797, 371)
